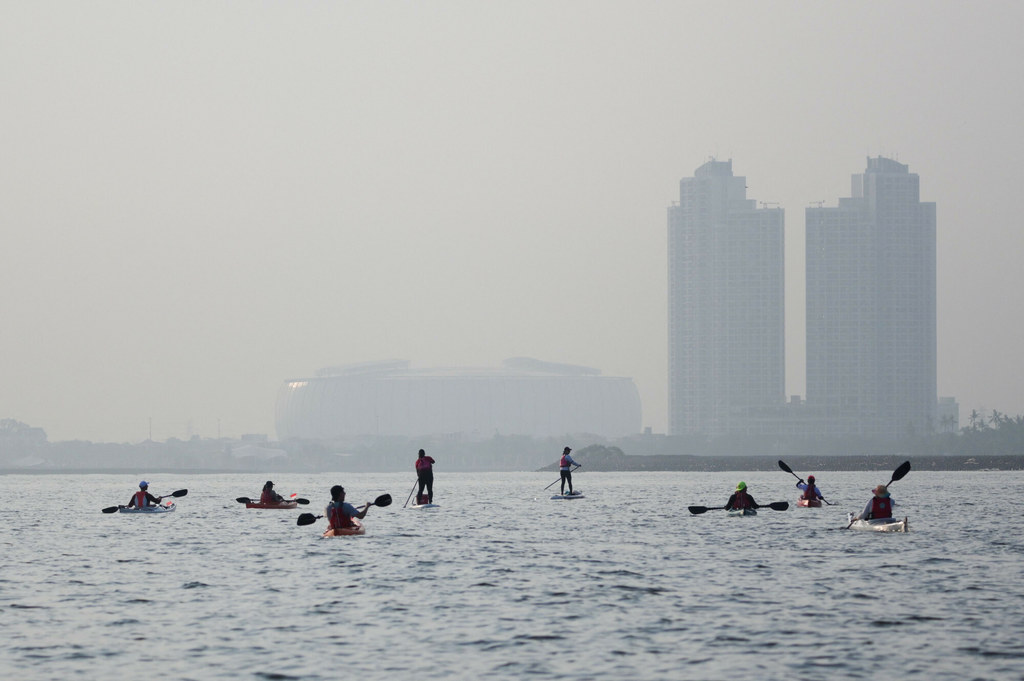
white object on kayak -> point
(739, 512)
(878, 524)
(576, 494)
(148, 509)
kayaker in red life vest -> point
(425, 476)
(339, 513)
(143, 498)
(811, 490)
(563, 468)
(740, 499)
(880, 505)
(269, 496)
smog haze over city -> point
(202, 200)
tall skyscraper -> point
(871, 331)
(726, 307)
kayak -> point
(576, 494)
(879, 524)
(809, 503)
(737, 512)
(148, 509)
(280, 504)
(357, 528)
(425, 506)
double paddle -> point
(309, 518)
(775, 506)
(898, 474)
(783, 466)
(247, 500)
(179, 493)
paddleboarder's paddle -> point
(783, 466)
(560, 477)
(410, 493)
(775, 506)
(898, 474)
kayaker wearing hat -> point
(811, 490)
(425, 477)
(143, 498)
(740, 499)
(880, 505)
(269, 496)
(339, 512)
(563, 467)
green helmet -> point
(740, 486)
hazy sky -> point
(199, 200)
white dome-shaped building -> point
(522, 397)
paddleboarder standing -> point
(740, 499)
(425, 478)
(565, 471)
(143, 498)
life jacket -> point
(811, 492)
(564, 462)
(881, 507)
(741, 500)
(337, 517)
(141, 499)
(268, 497)
(423, 463)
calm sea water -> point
(501, 582)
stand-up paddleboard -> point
(576, 494)
(426, 506)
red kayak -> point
(809, 503)
(357, 528)
(280, 504)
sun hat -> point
(143, 484)
(740, 486)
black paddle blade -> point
(244, 500)
(900, 472)
(779, 505)
(307, 519)
(382, 500)
(302, 501)
(783, 466)
(179, 493)
(111, 509)
(697, 510)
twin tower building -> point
(871, 310)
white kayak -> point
(148, 509)
(879, 524)
(576, 494)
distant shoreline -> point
(801, 464)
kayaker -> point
(740, 499)
(339, 513)
(880, 505)
(811, 490)
(269, 496)
(425, 477)
(143, 498)
(563, 467)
